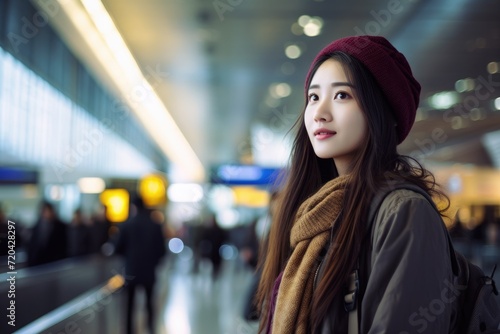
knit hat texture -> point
(390, 69)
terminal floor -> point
(194, 303)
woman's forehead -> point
(330, 71)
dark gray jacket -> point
(409, 278)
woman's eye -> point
(313, 97)
(341, 96)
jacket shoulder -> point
(406, 211)
(398, 198)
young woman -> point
(361, 101)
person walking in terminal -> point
(48, 241)
(360, 103)
(142, 244)
(78, 235)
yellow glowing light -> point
(250, 196)
(117, 203)
(115, 282)
(152, 189)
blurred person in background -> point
(159, 217)
(212, 239)
(141, 242)
(48, 240)
(78, 235)
(458, 231)
(250, 245)
(99, 229)
(492, 233)
(192, 234)
(492, 228)
(4, 233)
(255, 237)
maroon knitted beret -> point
(389, 68)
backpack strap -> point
(350, 302)
(358, 279)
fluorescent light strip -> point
(111, 36)
(102, 37)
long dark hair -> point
(375, 162)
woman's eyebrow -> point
(334, 84)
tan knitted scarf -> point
(310, 233)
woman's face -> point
(334, 121)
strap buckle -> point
(350, 298)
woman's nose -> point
(323, 112)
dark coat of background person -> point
(48, 240)
(250, 254)
(99, 230)
(142, 244)
(78, 235)
(212, 239)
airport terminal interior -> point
(180, 111)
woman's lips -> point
(323, 134)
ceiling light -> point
(293, 51)
(220, 197)
(496, 103)
(176, 245)
(444, 100)
(312, 30)
(491, 142)
(283, 89)
(317, 21)
(228, 218)
(303, 20)
(492, 67)
(91, 185)
(460, 86)
(56, 193)
(185, 192)
(280, 90)
(465, 85)
(312, 25)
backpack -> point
(478, 305)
